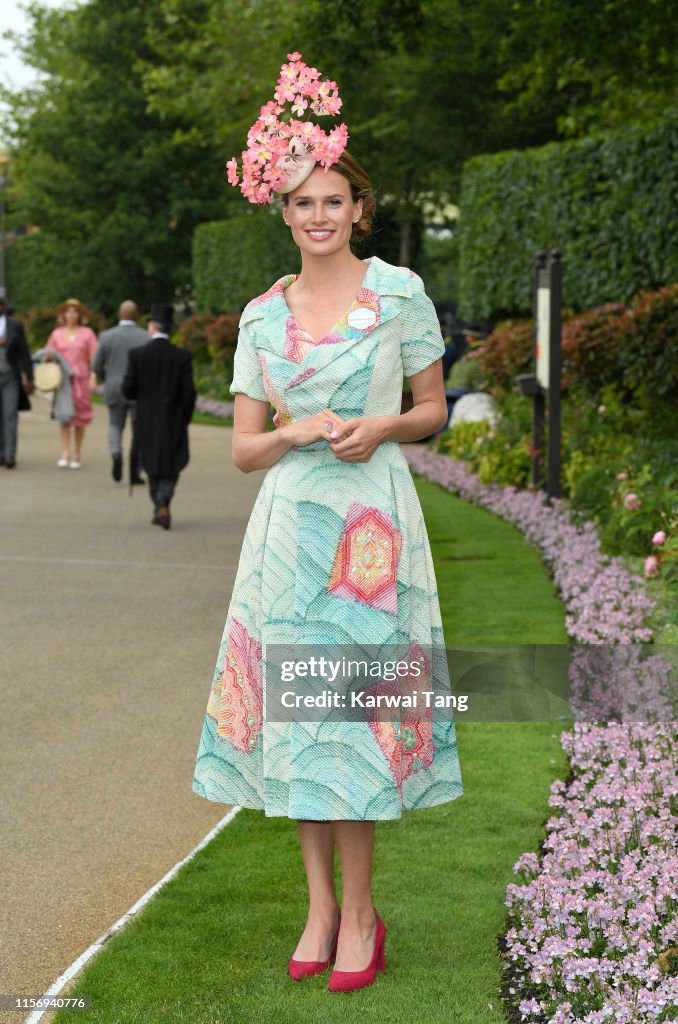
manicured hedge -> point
(608, 202)
(237, 259)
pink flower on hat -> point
(281, 154)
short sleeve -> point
(247, 373)
(422, 340)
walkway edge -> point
(77, 965)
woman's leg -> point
(317, 849)
(355, 842)
(65, 441)
(79, 434)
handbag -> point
(47, 376)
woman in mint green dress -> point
(335, 553)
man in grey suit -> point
(110, 365)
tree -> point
(597, 64)
(118, 187)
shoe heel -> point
(381, 955)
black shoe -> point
(163, 516)
(10, 463)
(116, 471)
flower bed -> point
(593, 928)
(212, 407)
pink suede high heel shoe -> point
(298, 969)
(347, 981)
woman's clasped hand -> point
(353, 440)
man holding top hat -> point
(159, 378)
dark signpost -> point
(544, 383)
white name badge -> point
(362, 319)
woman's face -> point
(321, 213)
(72, 316)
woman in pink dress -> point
(77, 344)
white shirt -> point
(127, 323)
(3, 325)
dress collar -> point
(381, 278)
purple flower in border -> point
(588, 926)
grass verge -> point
(212, 947)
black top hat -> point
(162, 313)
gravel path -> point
(110, 629)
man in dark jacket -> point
(160, 379)
(15, 360)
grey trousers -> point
(9, 403)
(161, 489)
(117, 416)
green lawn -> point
(212, 947)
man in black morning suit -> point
(15, 364)
(160, 379)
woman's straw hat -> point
(85, 313)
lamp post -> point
(544, 383)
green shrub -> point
(237, 259)
(440, 267)
(498, 454)
(468, 372)
(39, 324)
(590, 358)
(222, 338)
(647, 347)
(192, 335)
(606, 201)
(506, 353)
(212, 342)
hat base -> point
(296, 175)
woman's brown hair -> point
(360, 186)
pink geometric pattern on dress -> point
(407, 745)
(297, 342)
(304, 375)
(236, 699)
(275, 289)
(366, 299)
(365, 566)
(274, 395)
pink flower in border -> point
(659, 538)
(632, 502)
(651, 566)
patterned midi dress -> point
(79, 353)
(334, 553)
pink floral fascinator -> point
(280, 155)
